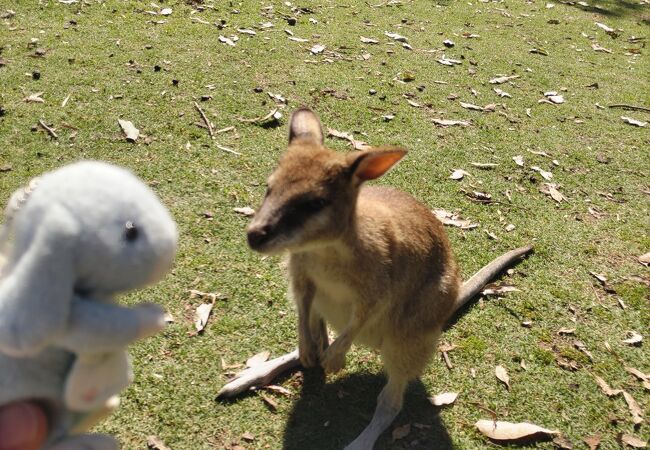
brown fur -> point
(372, 262)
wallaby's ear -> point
(374, 163)
(304, 124)
(36, 293)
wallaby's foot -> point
(333, 358)
(87, 442)
(310, 354)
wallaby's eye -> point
(130, 231)
(313, 205)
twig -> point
(205, 119)
(632, 107)
(228, 150)
(49, 130)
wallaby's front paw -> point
(309, 355)
(152, 319)
(333, 360)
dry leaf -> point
(599, 48)
(644, 259)
(634, 339)
(634, 122)
(357, 145)
(562, 443)
(449, 123)
(592, 441)
(605, 387)
(268, 401)
(366, 40)
(519, 160)
(246, 31)
(129, 130)
(446, 398)
(493, 289)
(501, 93)
(604, 27)
(279, 390)
(258, 359)
(155, 443)
(546, 175)
(635, 409)
(34, 98)
(562, 331)
(316, 49)
(506, 431)
(165, 12)
(484, 165)
(458, 174)
(501, 80)
(397, 37)
(202, 315)
(640, 375)
(502, 374)
(471, 106)
(401, 432)
(249, 437)
(245, 211)
(454, 220)
(632, 441)
(551, 189)
(275, 114)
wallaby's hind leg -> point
(403, 362)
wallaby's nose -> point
(258, 236)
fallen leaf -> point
(165, 12)
(450, 123)
(604, 27)
(258, 359)
(634, 122)
(397, 37)
(501, 93)
(566, 331)
(510, 227)
(635, 409)
(506, 431)
(634, 339)
(226, 40)
(606, 388)
(210, 296)
(592, 441)
(249, 437)
(129, 130)
(501, 80)
(640, 375)
(316, 49)
(484, 165)
(453, 219)
(401, 432)
(493, 289)
(245, 211)
(446, 398)
(471, 106)
(34, 98)
(366, 40)
(279, 389)
(155, 443)
(274, 114)
(202, 315)
(268, 401)
(519, 160)
(502, 374)
(546, 175)
(562, 443)
(598, 48)
(551, 189)
(644, 259)
(458, 174)
(246, 31)
(448, 61)
(632, 441)
(357, 145)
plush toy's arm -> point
(95, 327)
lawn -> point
(99, 61)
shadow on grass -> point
(328, 416)
(615, 8)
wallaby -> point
(372, 262)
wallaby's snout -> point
(258, 235)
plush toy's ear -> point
(304, 124)
(374, 163)
(36, 292)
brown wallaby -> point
(372, 262)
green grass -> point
(178, 375)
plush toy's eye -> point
(131, 231)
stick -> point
(205, 119)
(264, 373)
(49, 130)
(228, 150)
(635, 108)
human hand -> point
(23, 426)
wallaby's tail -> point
(478, 281)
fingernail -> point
(22, 426)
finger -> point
(23, 426)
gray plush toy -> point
(71, 241)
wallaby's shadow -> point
(328, 416)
